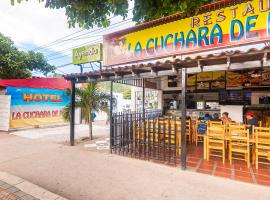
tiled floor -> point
(237, 171)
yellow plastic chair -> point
(216, 142)
(262, 147)
(239, 146)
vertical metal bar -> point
(144, 136)
(140, 132)
(154, 137)
(159, 138)
(149, 125)
(135, 134)
(72, 114)
(122, 132)
(169, 147)
(183, 119)
(175, 140)
(143, 99)
(164, 138)
(111, 120)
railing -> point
(149, 136)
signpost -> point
(87, 54)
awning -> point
(48, 83)
(252, 57)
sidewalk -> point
(79, 174)
(15, 188)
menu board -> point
(204, 76)
(219, 76)
(235, 79)
(229, 79)
(191, 81)
(218, 85)
(266, 77)
(203, 85)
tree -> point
(19, 64)
(95, 12)
(89, 99)
(127, 94)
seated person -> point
(225, 118)
(207, 117)
(251, 121)
(216, 117)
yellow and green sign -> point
(240, 24)
(87, 54)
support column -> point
(111, 121)
(72, 113)
(81, 115)
(143, 99)
(183, 119)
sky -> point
(30, 25)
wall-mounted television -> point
(235, 97)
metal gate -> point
(147, 136)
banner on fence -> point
(34, 106)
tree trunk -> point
(90, 126)
(90, 130)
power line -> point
(99, 31)
(61, 71)
(64, 65)
(65, 50)
(59, 39)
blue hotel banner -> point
(36, 106)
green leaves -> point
(89, 13)
(90, 99)
(19, 64)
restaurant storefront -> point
(217, 61)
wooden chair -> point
(239, 146)
(188, 131)
(214, 123)
(173, 135)
(216, 142)
(262, 147)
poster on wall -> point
(35, 106)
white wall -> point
(137, 89)
(235, 112)
(4, 112)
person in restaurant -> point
(251, 121)
(225, 118)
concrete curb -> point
(28, 188)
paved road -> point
(80, 174)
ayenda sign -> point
(86, 54)
(243, 23)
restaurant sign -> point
(240, 24)
(87, 54)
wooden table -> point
(227, 138)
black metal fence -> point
(148, 136)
